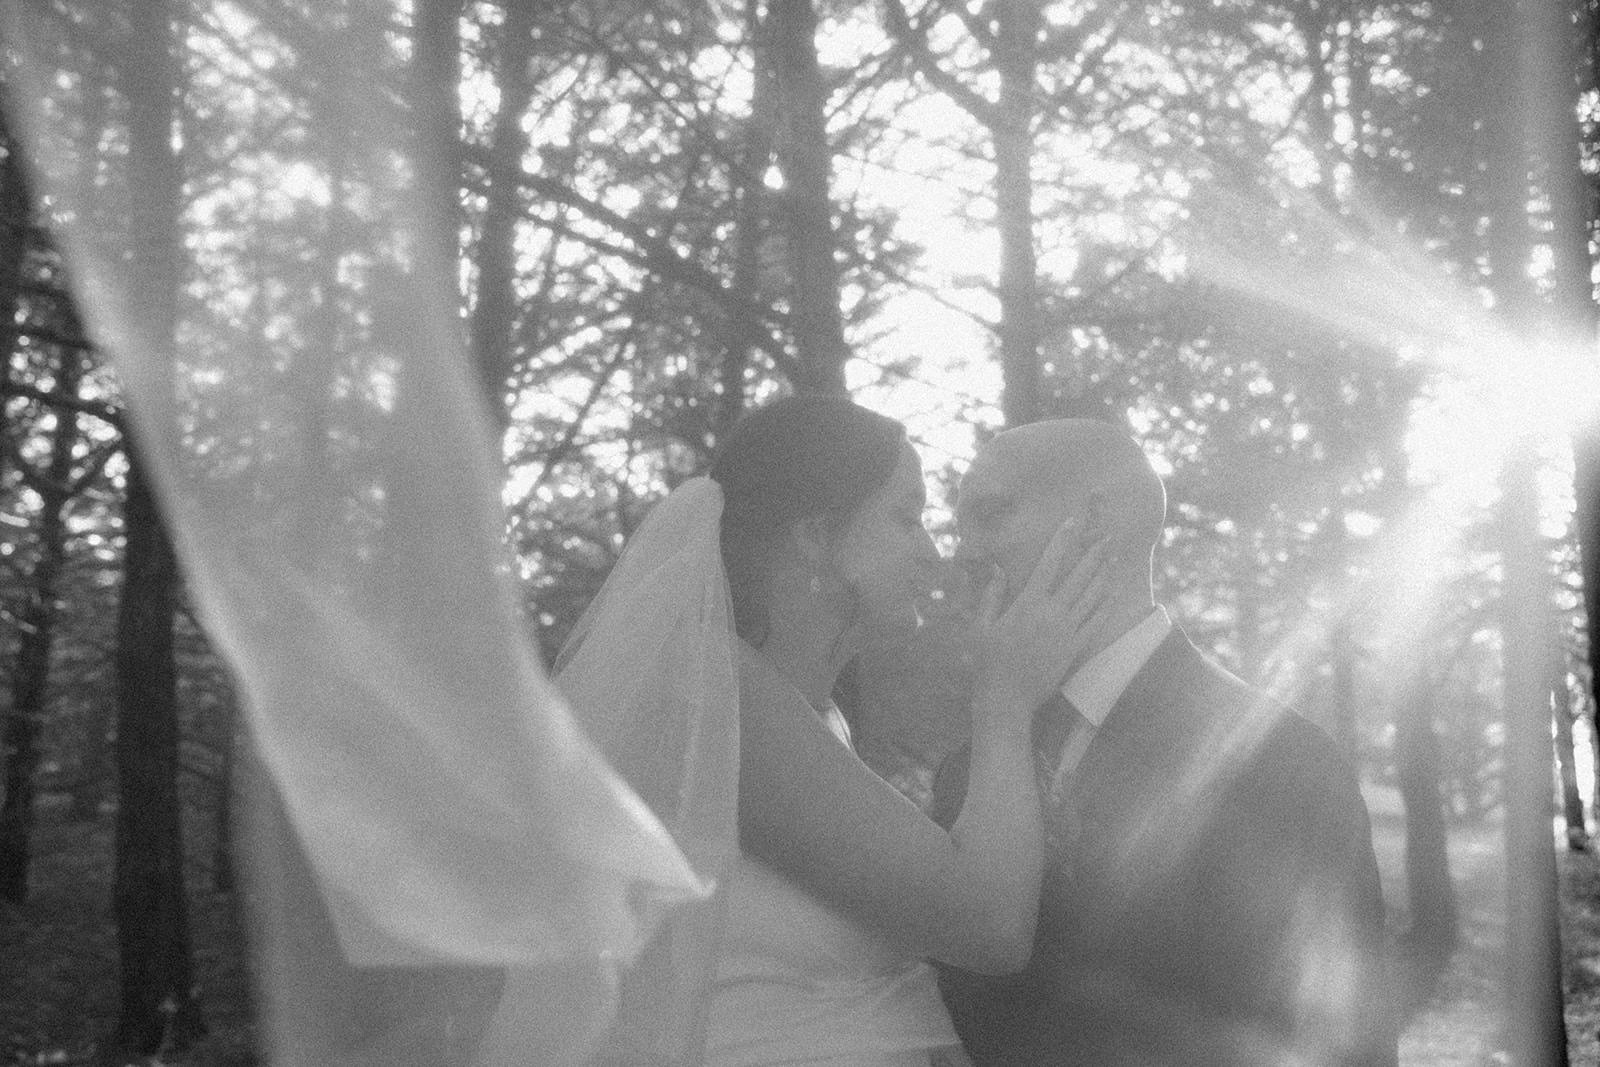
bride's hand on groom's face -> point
(1028, 647)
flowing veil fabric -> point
(652, 672)
(652, 669)
(426, 801)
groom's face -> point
(1008, 507)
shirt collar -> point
(1095, 688)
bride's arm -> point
(969, 896)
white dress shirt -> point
(1095, 688)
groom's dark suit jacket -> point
(1216, 900)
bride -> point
(809, 528)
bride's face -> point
(886, 556)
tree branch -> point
(103, 412)
(53, 489)
(914, 39)
(982, 32)
(55, 337)
(1068, 40)
(654, 254)
(569, 437)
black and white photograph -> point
(832, 533)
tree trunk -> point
(494, 316)
(1566, 764)
(1586, 494)
(1431, 935)
(805, 160)
(436, 125)
(23, 724)
(18, 745)
(1016, 60)
(158, 1003)
(1535, 1028)
(90, 786)
(750, 227)
(16, 215)
(151, 906)
(223, 873)
(1009, 120)
(30, 682)
(1572, 210)
(432, 289)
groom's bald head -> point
(1026, 482)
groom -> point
(1210, 896)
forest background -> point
(1330, 261)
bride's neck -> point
(810, 652)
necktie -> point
(1062, 735)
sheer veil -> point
(427, 804)
(652, 671)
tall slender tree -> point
(1513, 42)
(494, 313)
(1433, 930)
(805, 159)
(30, 678)
(1561, 706)
(158, 1006)
(756, 145)
(1574, 216)
(1008, 32)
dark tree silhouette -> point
(1513, 33)
(805, 160)
(494, 314)
(30, 678)
(1431, 935)
(157, 972)
(1566, 762)
(755, 152)
(1009, 32)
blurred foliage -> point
(1297, 135)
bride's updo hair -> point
(797, 458)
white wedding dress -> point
(798, 982)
